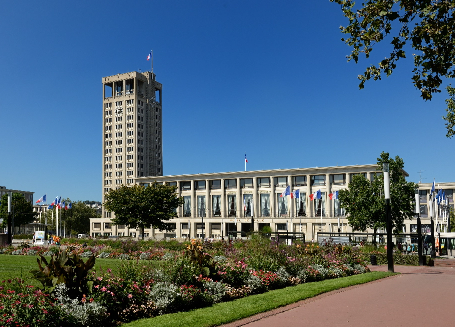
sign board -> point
(39, 235)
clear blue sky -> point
(265, 78)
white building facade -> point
(218, 203)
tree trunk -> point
(143, 231)
(374, 236)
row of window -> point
(247, 210)
(263, 182)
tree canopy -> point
(23, 210)
(364, 200)
(141, 207)
(424, 25)
(77, 219)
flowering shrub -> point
(153, 279)
(24, 305)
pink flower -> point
(103, 289)
(130, 296)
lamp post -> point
(433, 249)
(419, 227)
(385, 169)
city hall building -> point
(218, 203)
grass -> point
(19, 266)
(226, 312)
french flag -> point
(315, 195)
(334, 195)
(42, 199)
(149, 56)
(287, 191)
(246, 160)
(295, 194)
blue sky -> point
(265, 78)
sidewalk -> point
(419, 296)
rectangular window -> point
(171, 183)
(300, 205)
(201, 206)
(248, 205)
(280, 181)
(107, 225)
(338, 211)
(199, 185)
(282, 205)
(215, 184)
(300, 180)
(230, 183)
(216, 205)
(281, 226)
(265, 205)
(423, 196)
(338, 179)
(185, 186)
(187, 206)
(318, 180)
(232, 205)
(319, 206)
(96, 225)
(246, 183)
(264, 182)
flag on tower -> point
(246, 160)
(149, 56)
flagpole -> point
(152, 60)
(56, 220)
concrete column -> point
(179, 193)
(223, 200)
(309, 204)
(328, 202)
(255, 203)
(291, 200)
(272, 201)
(238, 193)
(208, 200)
(193, 200)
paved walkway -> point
(419, 296)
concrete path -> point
(419, 296)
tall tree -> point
(364, 200)
(141, 207)
(77, 219)
(424, 25)
(22, 209)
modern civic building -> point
(217, 203)
(132, 129)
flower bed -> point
(161, 280)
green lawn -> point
(19, 266)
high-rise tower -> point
(132, 129)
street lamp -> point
(419, 227)
(385, 169)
